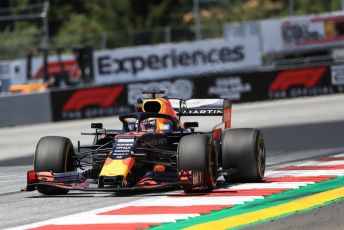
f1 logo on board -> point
(54, 68)
(102, 97)
(307, 78)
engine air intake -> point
(152, 106)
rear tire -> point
(195, 153)
(54, 154)
(244, 149)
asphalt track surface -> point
(294, 130)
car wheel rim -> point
(261, 157)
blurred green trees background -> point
(116, 23)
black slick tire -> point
(196, 154)
(244, 150)
(54, 154)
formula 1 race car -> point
(153, 150)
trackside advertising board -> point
(249, 87)
(173, 60)
(67, 63)
(238, 87)
(78, 103)
(16, 70)
(304, 32)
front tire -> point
(54, 154)
(244, 149)
(195, 154)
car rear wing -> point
(204, 107)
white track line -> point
(189, 201)
(321, 163)
(269, 185)
(121, 219)
(283, 173)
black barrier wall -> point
(238, 87)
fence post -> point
(103, 40)
(167, 31)
(198, 35)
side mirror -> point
(96, 125)
(192, 124)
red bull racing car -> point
(154, 149)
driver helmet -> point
(149, 125)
